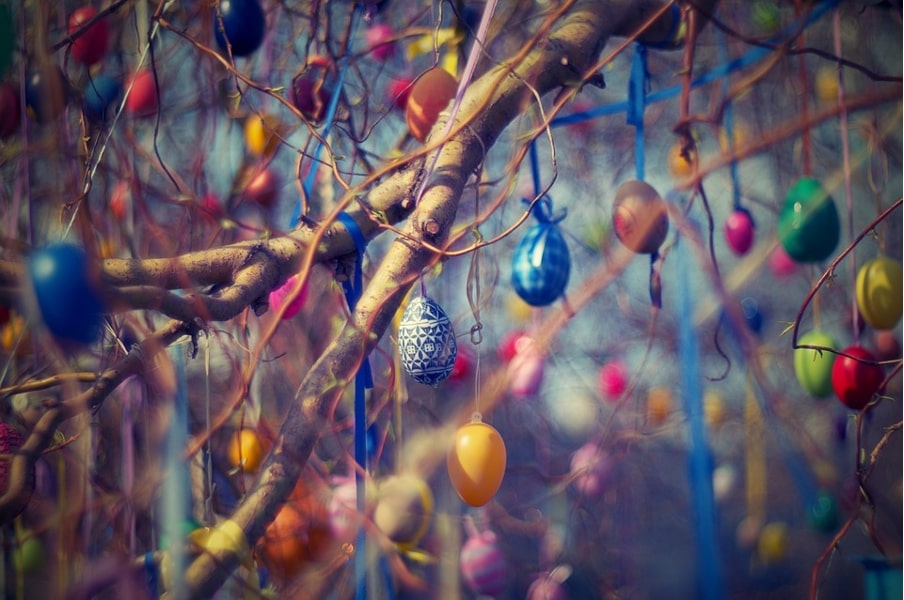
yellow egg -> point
(827, 84)
(714, 412)
(261, 134)
(880, 286)
(477, 462)
(246, 450)
(772, 544)
(679, 165)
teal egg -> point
(808, 225)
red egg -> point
(739, 231)
(378, 38)
(854, 381)
(509, 345)
(91, 46)
(613, 380)
(429, 96)
(10, 109)
(262, 185)
(463, 366)
(398, 90)
(143, 100)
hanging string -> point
(729, 128)
(803, 76)
(307, 185)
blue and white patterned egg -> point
(427, 343)
(541, 265)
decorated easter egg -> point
(280, 296)
(10, 110)
(879, 292)
(429, 95)
(397, 91)
(10, 441)
(142, 100)
(379, 40)
(427, 343)
(613, 380)
(640, 217)
(91, 46)
(311, 88)
(65, 287)
(404, 508)
(262, 134)
(260, 184)
(659, 405)
(772, 544)
(526, 368)
(476, 462)
(246, 450)
(45, 93)
(823, 513)
(808, 224)
(483, 565)
(243, 26)
(739, 231)
(549, 585)
(854, 381)
(101, 93)
(812, 367)
(7, 36)
(541, 265)
(591, 469)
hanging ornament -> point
(91, 45)
(640, 217)
(613, 380)
(403, 509)
(312, 87)
(808, 225)
(476, 462)
(550, 585)
(46, 91)
(102, 92)
(427, 343)
(243, 26)
(541, 262)
(854, 381)
(772, 543)
(483, 565)
(659, 405)
(379, 39)
(591, 469)
(812, 367)
(879, 292)
(780, 263)
(739, 231)
(280, 295)
(823, 513)
(429, 96)
(526, 368)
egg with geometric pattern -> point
(427, 343)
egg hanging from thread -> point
(640, 217)
(476, 462)
(427, 343)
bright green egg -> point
(813, 367)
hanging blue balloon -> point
(427, 343)
(541, 263)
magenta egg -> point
(483, 565)
(280, 296)
(613, 380)
(379, 39)
(508, 347)
(739, 231)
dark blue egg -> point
(101, 93)
(45, 93)
(541, 265)
(243, 23)
(69, 303)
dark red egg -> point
(91, 46)
(855, 382)
(10, 110)
(143, 100)
(311, 88)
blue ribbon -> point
(637, 94)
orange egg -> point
(429, 95)
(298, 535)
(246, 450)
(679, 165)
(659, 405)
(476, 462)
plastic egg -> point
(91, 46)
(430, 94)
(101, 93)
(613, 380)
(142, 100)
(28, 556)
(766, 16)
(823, 513)
(812, 367)
(808, 224)
(10, 441)
(549, 585)
(886, 345)
(262, 134)
(298, 535)
(260, 185)
(379, 39)
(724, 478)
(855, 382)
(427, 343)
(879, 292)
(679, 165)
(753, 316)
(739, 231)
(772, 544)
(246, 450)
(659, 405)
(398, 90)
(403, 509)
(483, 565)
(526, 369)
(46, 90)
(476, 462)
(243, 25)
(780, 263)
(280, 295)
(714, 411)
(640, 217)
(311, 88)
(591, 469)
(10, 110)
(541, 265)
(65, 288)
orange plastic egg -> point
(246, 450)
(476, 462)
(429, 95)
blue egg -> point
(46, 90)
(427, 343)
(541, 265)
(67, 298)
(101, 93)
(243, 23)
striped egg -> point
(427, 341)
(483, 565)
(541, 265)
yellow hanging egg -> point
(772, 544)
(879, 292)
(262, 134)
(476, 462)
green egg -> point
(808, 225)
(812, 367)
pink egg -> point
(545, 587)
(509, 345)
(280, 295)
(613, 380)
(483, 565)
(343, 510)
(526, 368)
(591, 467)
(780, 263)
(463, 367)
(739, 231)
(378, 38)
